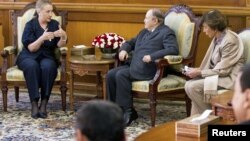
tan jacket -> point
(229, 57)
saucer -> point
(89, 57)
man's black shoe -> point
(129, 116)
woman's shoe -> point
(43, 115)
(42, 109)
(35, 116)
(34, 110)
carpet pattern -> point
(17, 125)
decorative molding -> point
(81, 72)
(128, 8)
(248, 21)
(248, 3)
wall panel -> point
(88, 18)
(84, 32)
(158, 2)
(1, 42)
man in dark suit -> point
(153, 42)
(241, 98)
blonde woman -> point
(41, 36)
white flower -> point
(108, 40)
(115, 45)
(102, 45)
(109, 43)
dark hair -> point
(215, 20)
(101, 121)
(158, 14)
(244, 78)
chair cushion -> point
(222, 91)
(171, 82)
(21, 22)
(184, 31)
(15, 74)
(246, 42)
(173, 59)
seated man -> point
(241, 98)
(99, 121)
(153, 42)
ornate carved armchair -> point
(221, 103)
(11, 75)
(186, 26)
(244, 35)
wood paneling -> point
(1, 42)
(247, 2)
(107, 17)
(248, 21)
(158, 2)
(84, 32)
(88, 18)
(232, 9)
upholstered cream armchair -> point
(186, 26)
(11, 75)
(244, 35)
(221, 103)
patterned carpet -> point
(17, 125)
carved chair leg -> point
(152, 108)
(5, 91)
(63, 89)
(188, 105)
(16, 93)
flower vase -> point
(108, 53)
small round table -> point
(82, 66)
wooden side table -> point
(82, 66)
(221, 106)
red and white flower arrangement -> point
(108, 40)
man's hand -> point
(146, 59)
(123, 55)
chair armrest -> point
(5, 53)
(173, 59)
(63, 61)
(63, 50)
(160, 64)
(9, 50)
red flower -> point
(108, 40)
